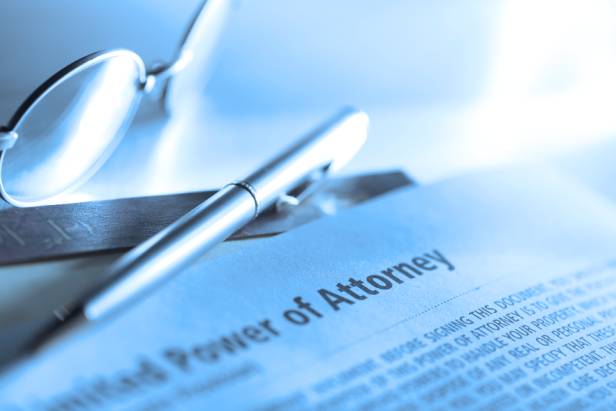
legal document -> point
(486, 292)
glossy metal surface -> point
(96, 227)
(322, 152)
(146, 266)
(172, 249)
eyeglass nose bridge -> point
(158, 75)
(7, 139)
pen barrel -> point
(322, 151)
(172, 249)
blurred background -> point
(449, 85)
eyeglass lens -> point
(72, 129)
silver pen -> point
(284, 179)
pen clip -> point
(295, 173)
(305, 189)
(329, 147)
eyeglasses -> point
(68, 127)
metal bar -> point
(50, 232)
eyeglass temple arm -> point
(206, 21)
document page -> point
(495, 291)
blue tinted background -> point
(449, 85)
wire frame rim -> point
(41, 92)
(67, 72)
